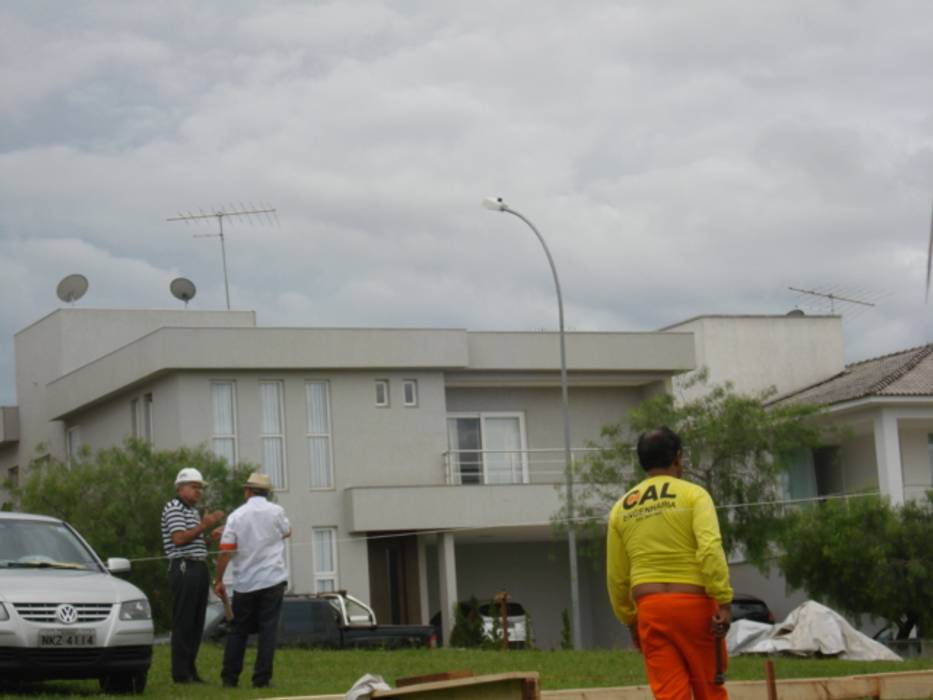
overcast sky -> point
(679, 158)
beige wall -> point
(38, 360)
(110, 422)
(631, 352)
(93, 333)
(67, 339)
(757, 352)
(591, 409)
(860, 467)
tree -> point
(735, 446)
(115, 498)
(864, 556)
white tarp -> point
(809, 629)
(365, 685)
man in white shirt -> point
(254, 537)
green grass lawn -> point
(310, 672)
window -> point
(382, 392)
(487, 448)
(147, 418)
(73, 439)
(324, 556)
(134, 418)
(13, 475)
(273, 432)
(410, 392)
(141, 420)
(799, 480)
(223, 438)
(317, 398)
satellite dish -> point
(183, 288)
(71, 288)
(796, 312)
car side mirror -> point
(118, 565)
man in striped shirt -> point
(183, 530)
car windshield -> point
(37, 544)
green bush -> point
(566, 634)
(468, 626)
(864, 556)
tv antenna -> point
(833, 298)
(266, 214)
(183, 289)
(71, 288)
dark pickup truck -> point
(333, 620)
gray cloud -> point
(678, 160)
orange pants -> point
(679, 647)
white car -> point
(62, 612)
(516, 622)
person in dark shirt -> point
(183, 529)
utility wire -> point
(583, 519)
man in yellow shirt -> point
(667, 574)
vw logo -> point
(67, 613)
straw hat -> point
(259, 481)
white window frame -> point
(386, 400)
(275, 436)
(482, 415)
(413, 383)
(329, 435)
(73, 443)
(325, 575)
(226, 436)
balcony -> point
(511, 491)
(492, 467)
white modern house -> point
(883, 410)
(418, 466)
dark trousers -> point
(189, 581)
(253, 612)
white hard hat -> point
(189, 475)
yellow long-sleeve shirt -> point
(664, 530)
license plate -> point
(67, 638)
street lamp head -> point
(494, 203)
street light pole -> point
(496, 204)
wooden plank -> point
(500, 686)
(341, 696)
(841, 688)
(907, 685)
(432, 677)
(628, 692)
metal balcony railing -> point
(541, 466)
